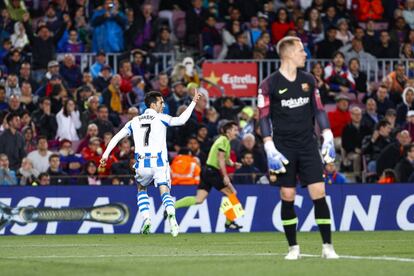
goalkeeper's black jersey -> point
(291, 107)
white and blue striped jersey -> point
(149, 132)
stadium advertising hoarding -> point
(239, 79)
(354, 207)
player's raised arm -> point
(125, 131)
(328, 148)
(183, 118)
(275, 159)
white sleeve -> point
(75, 118)
(125, 131)
(180, 120)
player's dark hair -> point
(151, 97)
(228, 126)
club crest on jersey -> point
(305, 87)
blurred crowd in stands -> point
(56, 118)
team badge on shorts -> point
(305, 87)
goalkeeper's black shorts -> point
(211, 177)
(305, 165)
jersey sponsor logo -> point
(305, 87)
(281, 91)
(293, 103)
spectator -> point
(229, 38)
(7, 24)
(370, 117)
(7, 176)
(113, 97)
(43, 46)
(332, 176)
(331, 18)
(406, 105)
(13, 60)
(194, 21)
(190, 74)
(409, 125)
(382, 100)
(15, 105)
(57, 175)
(399, 31)
(359, 76)
(27, 100)
(26, 173)
(102, 81)
(73, 44)
(82, 94)
(239, 49)
(177, 98)
(247, 173)
(396, 82)
(70, 72)
(3, 103)
(99, 63)
(249, 145)
(70, 162)
(90, 172)
(211, 36)
(29, 139)
(138, 64)
(93, 151)
(90, 113)
(393, 153)
(16, 9)
(108, 26)
(44, 179)
(229, 107)
(19, 38)
(386, 48)
(352, 137)
(355, 50)
(185, 169)
(408, 13)
(102, 121)
(92, 131)
(40, 157)
(194, 146)
(12, 86)
(327, 47)
(25, 74)
(405, 168)
(343, 34)
(124, 150)
(12, 142)
(44, 120)
(339, 118)
(372, 145)
(164, 43)
(281, 26)
(68, 122)
(163, 84)
(124, 168)
(327, 96)
(314, 26)
(337, 75)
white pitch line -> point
(371, 258)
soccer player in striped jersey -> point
(149, 132)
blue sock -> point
(143, 204)
(168, 203)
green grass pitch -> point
(365, 253)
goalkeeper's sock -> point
(143, 204)
(185, 202)
(323, 219)
(168, 203)
(289, 221)
(230, 214)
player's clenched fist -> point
(275, 160)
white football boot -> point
(328, 252)
(146, 227)
(173, 225)
(294, 253)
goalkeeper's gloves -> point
(328, 147)
(275, 160)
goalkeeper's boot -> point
(173, 225)
(232, 225)
(294, 253)
(146, 227)
(328, 252)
